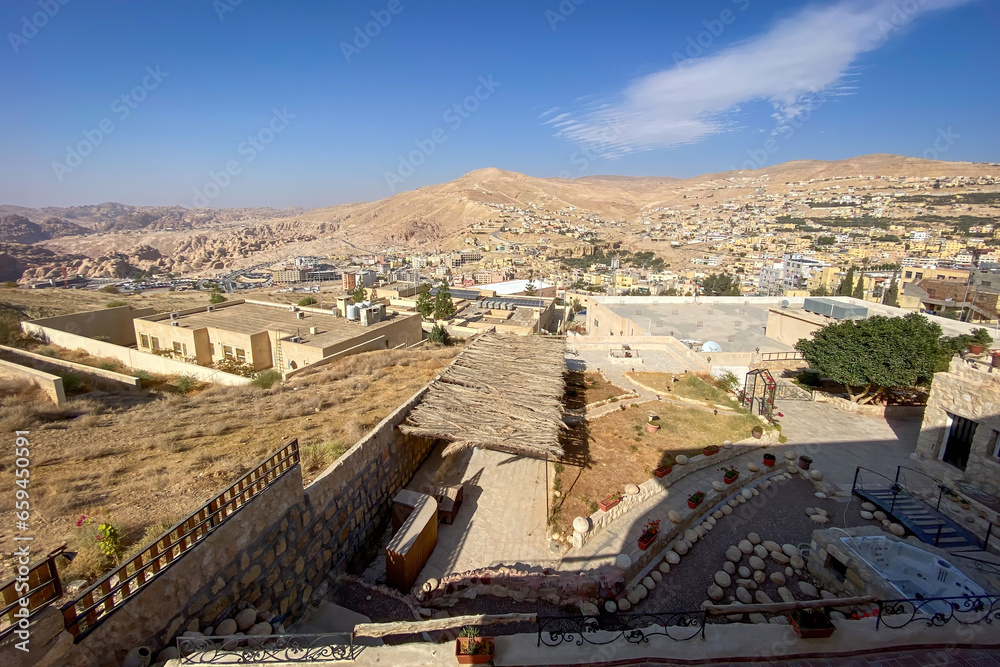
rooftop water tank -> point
(352, 311)
(711, 346)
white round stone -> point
(733, 554)
(691, 536)
(648, 583)
(741, 499)
(631, 490)
(756, 563)
(797, 562)
(624, 604)
(790, 550)
(711, 519)
(665, 566)
(808, 589)
(868, 507)
(778, 578)
(759, 551)
(723, 579)
(633, 595)
(643, 591)
(816, 475)
(729, 568)
(790, 456)
(753, 538)
(623, 561)
(747, 493)
(672, 557)
(610, 606)
(866, 515)
(753, 467)
(743, 595)
(656, 576)
(897, 530)
(581, 525)
(771, 546)
(674, 517)
(820, 519)
(681, 460)
(755, 492)
(588, 609)
(744, 572)
(779, 558)
(681, 547)
(715, 593)
(880, 515)
(793, 470)
(759, 577)
(718, 486)
(732, 502)
(820, 494)
(726, 509)
(789, 572)
(763, 597)
(785, 594)
(745, 546)
(701, 531)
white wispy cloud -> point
(803, 56)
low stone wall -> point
(33, 359)
(50, 384)
(129, 357)
(377, 343)
(887, 411)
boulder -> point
(233, 642)
(261, 629)
(729, 568)
(623, 561)
(743, 595)
(763, 598)
(718, 486)
(785, 594)
(674, 516)
(226, 628)
(672, 557)
(868, 507)
(808, 589)
(759, 551)
(790, 550)
(778, 578)
(246, 618)
(866, 515)
(771, 546)
(897, 530)
(745, 546)
(816, 475)
(715, 593)
(733, 554)
(631, 490)
(797, 562)
(754, 539)
(779, 558)
(681, 460)
(726, 509)
(753, 467)
(681, 547)
(664, 567)
(610, 606)
(691, 535)
(744, 571)
(756, 563)
(723, 579)
(581, 525)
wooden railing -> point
(112, 591)
(781, 356)
(44, 588)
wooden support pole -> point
(416, 627)
(725, 610)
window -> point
(597, 324)
(178, 348)
(987, 283)
(241, 355)
(909, 274)
(920, 274)
(144, 341)
(227, 351)
(156, 342)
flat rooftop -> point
(251, 318)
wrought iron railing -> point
(634, 628)
(936, 612)
(44, 588)
(115, 588)
(241, 650)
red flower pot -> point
(644, 542)
(663, 471)
(464, 658)
(652, 428)
(730, 480)
(976, 348)
(710, 451)
(769, 463)
(609, 502)
(813, 633)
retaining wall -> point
(50, 384)
(40, 360)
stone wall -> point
(973, 393)
(41, 362)
(50, 384)
(273, 553)
(115, 323)
(887, 411)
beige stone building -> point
(267, 335)
(960, 435)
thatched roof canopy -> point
(503, 392)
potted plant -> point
(979, 340)
(471, 649)
(769, 460)
(711, 450)
(611, 501)
(805, 462)
(663, 471)
(649, 534)
(729, 474)
(812, 623)
(757, 432)
(695, 499)
(652, 423)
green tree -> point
(438, 334)
(359, 294)
(859, 288)
(307, 301)
(443, 306)
(847, 284)
(721, 284)
(425, 302)
(879, 353)
(529, 289)
(217, 297)
(671, 291)
(892, 296)
(577, 305)
(820, 291)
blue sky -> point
(254, 103)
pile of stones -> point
(871, 513)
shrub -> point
(103, 339)
(439, 335)
(108, 366)
(71, 382)
(217, 297)
(727, 382)
(117, 303)
(8, 284)
(317, 457)
(307, 301)
(266, 379)
(185, 383)
(47, 351)
(110, 289)
(142, 375)
(810, 379)
(230, 365)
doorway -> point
(959, 441)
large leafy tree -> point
(443, 306)
(359, 294)
(721, 284)
(425, 302)
(879, 353)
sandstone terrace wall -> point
(273, 553)
(50, 384)
(41, 362)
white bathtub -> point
(915, 573)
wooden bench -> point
(449, 498)
(414, 539)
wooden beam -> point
(416, 627)
(724, 610)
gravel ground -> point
(779, 517)
(377, 606)
(489, 604)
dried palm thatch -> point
(503, 392)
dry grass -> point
(605, 455)
(687, 385)
(146, 458)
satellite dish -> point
(711, 346)
(784, 303)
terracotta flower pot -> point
(609, 502)
(730, 480)
(644, 542)
(813, 632)
(976, 348)
(663, 471)
(652, 428)
(710, 451)
(464, 658)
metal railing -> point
(43, 588)
(936, 612)
(114, 589)
(634, 628)
(307, 648)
